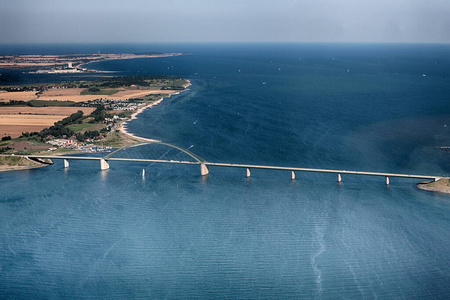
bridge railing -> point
(205, 165)
(184, 156)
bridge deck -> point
(212, 164)
(322, 170)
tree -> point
(91, 134)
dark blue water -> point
(173, 234)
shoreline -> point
(442, 186)
(78, 60)
(122, 126)
(126, 57)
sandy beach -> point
(122, 127)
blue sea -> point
(85, 233)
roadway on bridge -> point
(245, 166)
(197, 160)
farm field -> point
(54, 110)
(17, 96)
(63, 92)
(127, 94)
(35, 107)
(75, 96)
(16, 119)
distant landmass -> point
(68, 63)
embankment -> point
(442, 185)
(11, 163)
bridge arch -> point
(189, 153)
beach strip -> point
(122, 126)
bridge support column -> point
(248, 172)
(204, 169)
(66, 163)
(104, 165)
(293, 175)
(339, 178)
(387, 180)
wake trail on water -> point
(318, 236)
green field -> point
(100, 92)
(43, 103)
(85, 126)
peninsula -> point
(68, 61)
(78, 116)
(442, 185)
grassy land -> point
(118, 139)
(443, 183)
(150, 98)
(85, 126)
(178, 83)
(132, 86)
(101, 92)
(8, 163)
(42, 103)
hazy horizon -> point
(232, 21)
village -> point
(73, 144)
(83, 116)
(114, 104)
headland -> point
(442, 185)
(70, 63)
(81, 116)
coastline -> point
(128, 56)
(127, 139)
(442, 186)
(122, 126)
(78, 60)
(17, 163)
(124, 130)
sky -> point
(169, 21)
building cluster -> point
(111, 123)
(114, 104)
(62, 70)
(73, 144)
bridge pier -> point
(387, 180)
(104, 165)
(204, 169)
(339, 178)
(293, 175)
(248, 173)
(66, 163)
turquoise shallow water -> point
(173, 234)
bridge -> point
(193, 159)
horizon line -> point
(224, 42)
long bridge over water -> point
(193, 159)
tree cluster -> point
(59, 129)
(14, 102)
(4, 149)
(75, 118)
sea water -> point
(82, 232)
